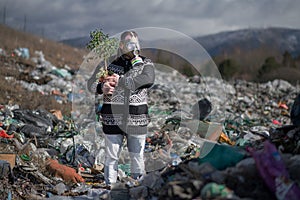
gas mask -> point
(132, 46)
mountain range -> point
(278, 39)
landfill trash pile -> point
(31, 81)
(59, 82)
(207, 139)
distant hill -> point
(77, 42)
(278, 39)
(57, 53)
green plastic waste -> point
(220, 156)
(213, 190)
(61, 72)
(125, 168)
(25, 157)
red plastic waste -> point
(3, 134)
(276, 122)
(283, 105)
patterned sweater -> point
(126, 110)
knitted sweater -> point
(126, 110)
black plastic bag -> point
(39, 118)
(201, 109)
(295, 111)
(6, 171)
(32, 131)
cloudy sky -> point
(63, 19)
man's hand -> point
(110, 83)
(113, 79)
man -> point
(124, 112)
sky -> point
(66, 19)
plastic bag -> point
(201, 109)
(273, 171)
(39, 118)
(220, 156)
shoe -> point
(97, 168)
(108, 187)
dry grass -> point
(58, 54)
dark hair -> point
(124, 34)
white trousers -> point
(113, 147)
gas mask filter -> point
(133, 46)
